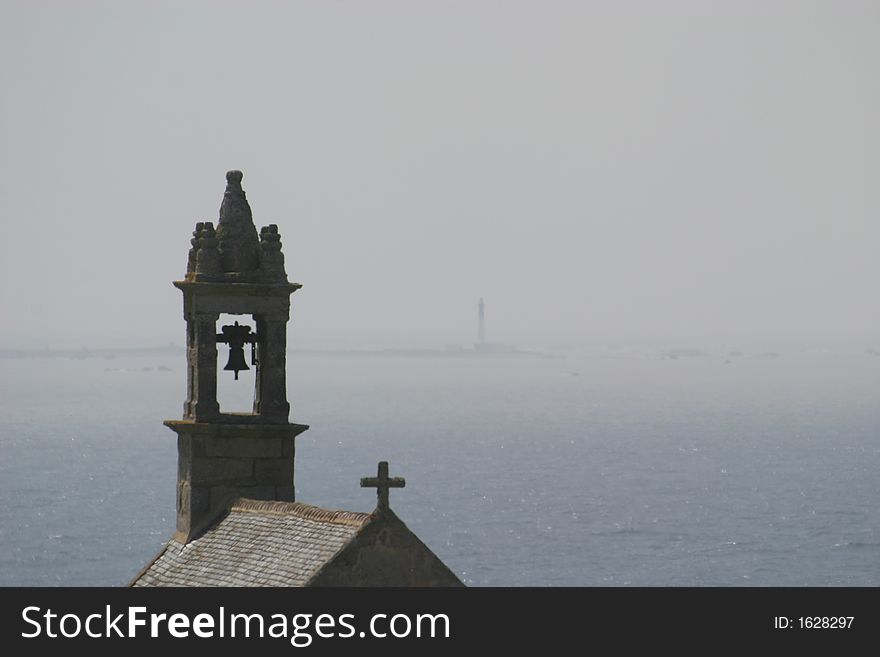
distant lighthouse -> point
(483, 347)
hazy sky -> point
(592, 169)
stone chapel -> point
(238, 523)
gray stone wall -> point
(218, 462)
(385, 553)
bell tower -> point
(233, 270)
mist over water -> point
(678, 200)
(593, 169)
(611, 466)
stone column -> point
(270, 398)
(201, 359)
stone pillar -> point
(201, 360)
(270, 398)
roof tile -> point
(257, 544)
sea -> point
(601, 466)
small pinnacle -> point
(234, 177)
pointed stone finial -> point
(233, 178)
(271, 258)
(194, 241)
(236, 232)
(208, 257)
(236, 253)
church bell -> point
(236, 336)
(236, 361)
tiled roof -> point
(256, 544)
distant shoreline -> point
(176, 350)
(85, 352)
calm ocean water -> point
(604, 467)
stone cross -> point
(382, 483)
